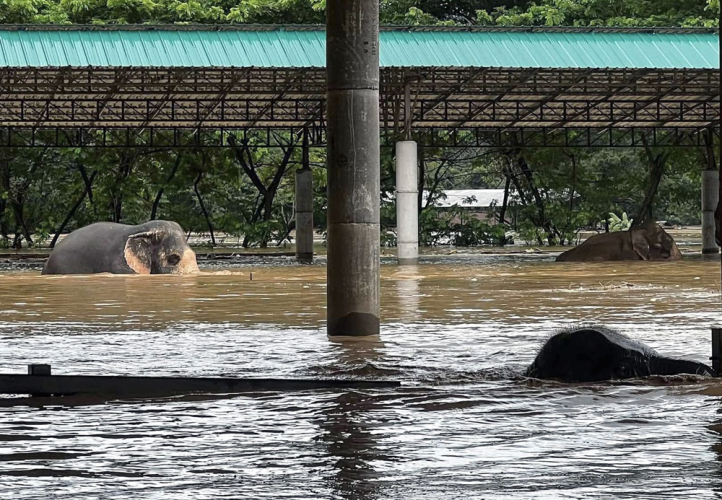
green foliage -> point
(473, 232)
(457, 227)
(619, 224)
(605, 13)
(402, 12)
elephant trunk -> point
(673, 366)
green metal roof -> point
(53, 47)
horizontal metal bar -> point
(600, 111)
(468, 137)
(69, 385)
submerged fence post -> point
(353, 152)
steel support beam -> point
(352, 68)
(481, 137)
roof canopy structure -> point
(555, 86)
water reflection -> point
(347, 427)
(347, 432)
(408, 292)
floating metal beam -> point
(71, 385)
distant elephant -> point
(156, 247)
(594, 354)
(646, 242)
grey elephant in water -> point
(595, 353)
(646, 242)
(156, 247)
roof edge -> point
(318, 27)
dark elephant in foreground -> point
(646, 242)
(595, 353)
(156, 247)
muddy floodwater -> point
(456, 331)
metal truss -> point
(284, 97)
(582, 137)
(124, 83)
(181, 138)
(284, 113)
(156, 138)
(192, 107)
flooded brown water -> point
(457, 332)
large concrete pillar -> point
(304, 215)
(710, 198)
(353, 152)
(407, 202)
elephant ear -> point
(640, 243)
(137, 252)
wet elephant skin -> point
(156, 247)
(646, 242)
(594, 354)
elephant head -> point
(160, 249)
(596, 353)
(651, 242)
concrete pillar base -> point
(306, 258)
(353, 292)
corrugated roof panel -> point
(288, 48)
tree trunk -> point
(203, 208)
(86, 180)
(267, 213)
(268, 193)
(3, 224)
(4, 181)
(18, 207)
(523, 197)
(116, 200)
(16, 201)
(573, 159)
(543, 223)
(505, 203)
(86, 192)
(656, 172)
(159, 196)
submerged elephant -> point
(594, 354)
(156, 247)
(646, 242)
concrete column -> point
(407, 192)
(304, 215)
(353, 155)
(710, 198)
